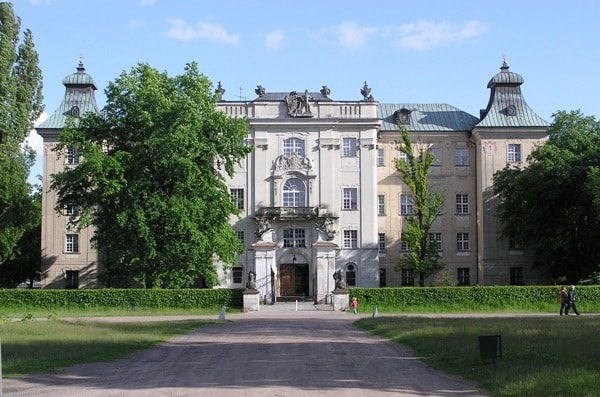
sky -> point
(417, 51)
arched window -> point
(293, 145)
(351, 275)
(294, 193)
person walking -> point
(563, 298)
(354, 305)
(571, 301)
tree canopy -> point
(552, 206)
(21, 99)
(152, 179)
(423, 257)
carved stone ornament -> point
(219, 91)
(298, 104)
(366, 93)
(325, 226)
(262, 226)
(260, 91)
(292, 162)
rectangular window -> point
(381, 242)
(349, 147)
(402, 156)
(462, 203)
(350, 239)
(461, 157)
(236, 275)
(72, 156)
(407, 277)
(514, 153)
(380, 204)
(462, 241)
(380, 158)
(406, 204)
(240, 235)
(404, 245)
(349, 200)
(437, 239)
(72, 210)
(237, 197)
(72, 279)
(463, 275)
(437, 153)
(72, 243)
(294, 238)
(516, 275)
(382, 278)
(293, 146)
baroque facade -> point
(320, 192)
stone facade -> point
(320, 193)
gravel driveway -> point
(285, 352)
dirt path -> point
(269, 353)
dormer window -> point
(403, 116)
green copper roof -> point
(425, 117)
(79, 99)
(507, 106)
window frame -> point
(463, 276)
(381, 204)
(380, 157)
(236, 199)
(461, 157)
(294, 145)
(294, 237)
(406, 204)
(293, 198)
(350, 239)
(349, 147)
(462, 203)
(349, 198)
(437, 238)
(381, 242)
(71, 243)
(513, 153)
(462, 242)
(407, 277)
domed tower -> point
(68, 260)
(507, 132)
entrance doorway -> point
(293, 280)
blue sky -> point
(425, 51)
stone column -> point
(324, 260)
(264, 262)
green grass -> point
(542, 356)
(30, 347)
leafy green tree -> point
(21, 105)
(423, 256)
(152, 179)
(552, 206)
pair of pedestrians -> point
(567, 301)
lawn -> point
(30, 347)
(541, 356)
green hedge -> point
(487, 297)
(121, 298)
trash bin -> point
(490, 348)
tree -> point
(152, 179)
(552, 206)
(423, 256)
(21, 98)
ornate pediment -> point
(292, 162)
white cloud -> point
(274, 40)
(352, 36)
(180, 30)
(424, 35)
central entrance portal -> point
(293, 279)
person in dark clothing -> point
(571, 301)
(563, 298)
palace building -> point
(320, 192)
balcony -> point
(291, 213)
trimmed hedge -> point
(121, 298)
(490, 297)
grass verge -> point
(30, 347)
(541, 356)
